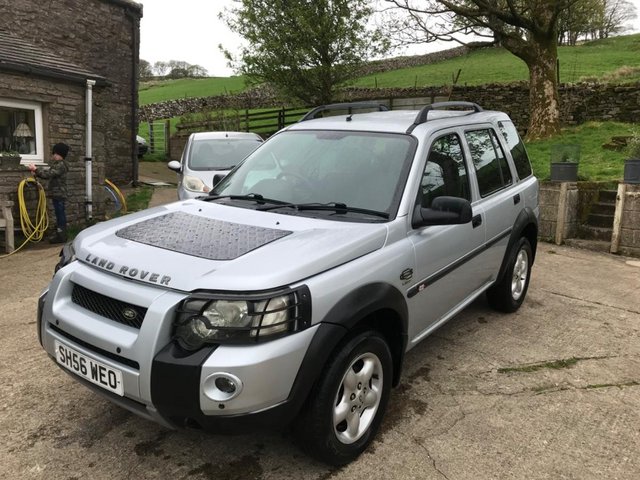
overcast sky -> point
(190, 30)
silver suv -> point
(290, 294)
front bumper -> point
(160, 381)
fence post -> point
(151, 142)
(167, 139)
(246, 120)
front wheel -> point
(509, 293)
(347, 404)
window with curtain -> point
(21, 129)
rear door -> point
(500, 197)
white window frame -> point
(39, 132)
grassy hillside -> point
(601, 59)
(161, 90)
(614, 59)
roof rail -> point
(424, 113)
(349, 106)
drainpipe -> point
(135, 36)
(88, 158)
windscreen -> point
(219, 154)
(357, 169)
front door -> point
(449, 260)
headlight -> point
(203, 319)
(194, 184)
(67, 255)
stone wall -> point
(396, 63)
(630, 224)
(554, 209)
(567, 206)
(580, 102)
(63, 120)
(100, 36)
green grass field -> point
(596, 163)
(604, 60)
(614, 59)
(161, 90)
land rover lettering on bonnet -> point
(132, 272)
(289, 295)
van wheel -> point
(347, 404)
(508, 295)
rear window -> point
(492, 169)
(518, 152)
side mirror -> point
(217, 177)
(175, 166)
(443, 211)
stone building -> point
(68, 73)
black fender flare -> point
(526, 219)
(361, 305)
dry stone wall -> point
(580, 102)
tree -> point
(160, 68)
(144, 69)
(304, 48)
(593, 19)
(528, 29)
(616, 14)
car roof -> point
(223, 135)
(399, 121)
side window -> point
(445, 172)
(489, 161)
(518, 152)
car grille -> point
(116, 310)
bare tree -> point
(616, 15)
(528, 29)
(160, 68)
(144, 70)
(593, 19)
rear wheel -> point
(509, 293)
(347, 404)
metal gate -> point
(159, 138)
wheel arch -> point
(526, 225)
(380, 307)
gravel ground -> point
(547, 393)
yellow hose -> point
(123, 201)
(33, 231)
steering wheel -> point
(303, 181)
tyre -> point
(347, 403)
(509, 293)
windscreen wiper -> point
(256, 197)
(337, 207)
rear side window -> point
(445, 172)
(489, 161)
(518, 152)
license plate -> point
(86, 367)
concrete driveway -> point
(550, 392)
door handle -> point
(476, 221)
(516, 199)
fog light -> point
(221, 387)
(225, 384)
